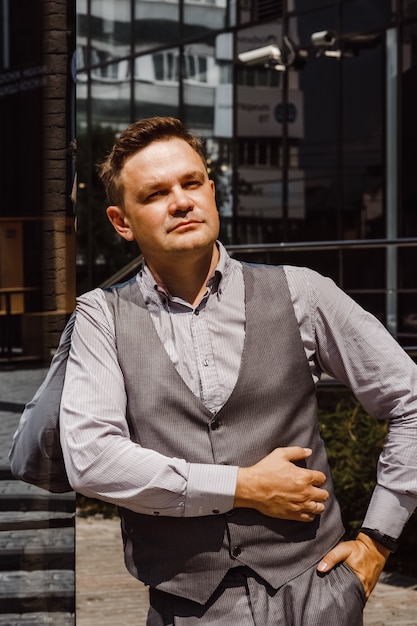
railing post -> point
(392, 179)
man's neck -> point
(186, 277)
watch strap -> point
(386, 541)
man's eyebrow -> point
(194, 174)
(151, 187)
(147, 188)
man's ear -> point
(120, 222)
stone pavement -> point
(106, 594)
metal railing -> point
(269, 249)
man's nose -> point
(180, 200)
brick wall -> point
(58, 253)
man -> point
(189, 402)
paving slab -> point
(107, 594)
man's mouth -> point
(185, 224)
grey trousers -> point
(244, 599)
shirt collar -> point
(216, 282)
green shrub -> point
(354, 441)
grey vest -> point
(273, 404)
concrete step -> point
(48, 548)
(21, 520)
(38, 591)
(16, 495)
(37, 619)
(5, 473)
(37, 555)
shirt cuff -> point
(389, 511)
(210, 489)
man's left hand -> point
(363, 555)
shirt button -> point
(196, 312)
(214, 425)
(205, 362)
(236, 551)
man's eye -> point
(154, 195)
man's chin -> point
(194, 241)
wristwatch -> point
(386, 541)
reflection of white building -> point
(196, 78)
(157, 71)
(260, 115)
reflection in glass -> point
(156, 83)
(208, 111)
(202, 16)
(156, 24)
(269, 129)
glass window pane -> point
(156, 85)
(156, 23)
(208, 94)
(110, 26)
(254, 10)
(110, 94)
(202, 16)
(262, 119)
(410, 8)
(408, 100)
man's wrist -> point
(242, 486)
(386, 541)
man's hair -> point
(137, 136)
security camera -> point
(270, 56)
(323, 39)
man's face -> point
(169, 204)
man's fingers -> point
(317, 478)
(296, 453)
(340, 553)
(278, 487)
(319, 494)
(318, 507)
(293, 453)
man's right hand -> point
(277, 487)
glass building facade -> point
(319, 149)
(37, 239)
(312, 156)
(37, 293)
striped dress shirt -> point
(205, 344)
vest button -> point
(236, 551)
(214, 425)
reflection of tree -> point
(220, 173)
(100, 251)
